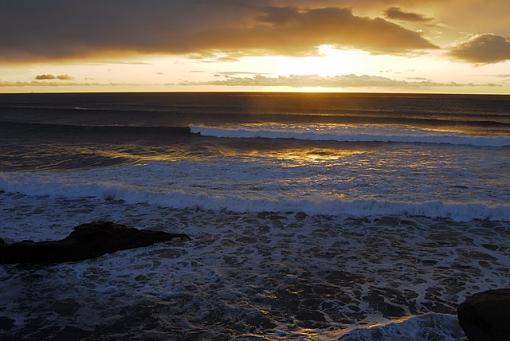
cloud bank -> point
(54, 30)
(48, 84)
(33, 30)
(340, 81)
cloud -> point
(99, 29)
(341, 81)
(64, 77)
(46, 84)
(45, 77)
(297, 31)
(237, 73)
(398, 14)
(483, 49)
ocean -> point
(313, 216)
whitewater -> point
(312, 217)
(316, 169)
(250, 187)
(350, 133)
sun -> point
(328, 62)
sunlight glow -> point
(329, 62)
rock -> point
(486, 316)
(86, 241)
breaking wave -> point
(313, 205)
(353, 134)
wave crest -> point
(314, 206)
(353, 134)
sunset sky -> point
(455, 46)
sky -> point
(432, 46)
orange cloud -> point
(92, 28)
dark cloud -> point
(53, 77)
(297, 31)
(346, 81)
(398, 14)
(483, 49)
(44, 77)
(58, 29)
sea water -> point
(305, 209)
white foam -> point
(105, 184)
(351, 134)
(418, 328)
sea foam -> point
(86, 184)
(352, 134)
(418, 328)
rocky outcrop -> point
(86, 241)
(486, 316)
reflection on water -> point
(140, 156)
(295, 157)
(373, 128)
(290, 153)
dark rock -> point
(486, 316)
(86, 241)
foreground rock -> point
(86, 241)
(486, 316)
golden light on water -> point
(289, 157)
(139, 156)
(295, 157)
